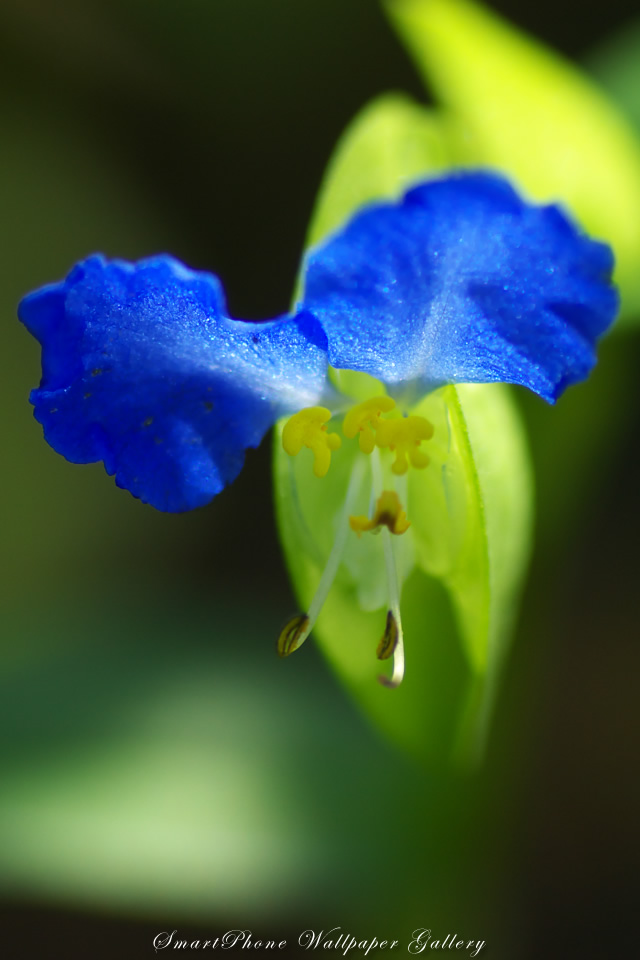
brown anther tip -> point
(389, 640)
(293, 634)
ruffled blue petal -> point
(142, 369)
(461, 281)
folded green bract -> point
(511, 104)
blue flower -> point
(459, 281)
(463, 282)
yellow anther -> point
(404, 437)
(365, 419)
(308, 429)
(389, 513)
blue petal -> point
(462, 281)
(142, 369)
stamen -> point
(404, 436)
(388, 513)
(389, 639)
(365, 418)
(307, 428)
(289, 639)
(394, 622)
(296, 631)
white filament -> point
(333, 563)
(392, 581)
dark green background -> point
(202, 127)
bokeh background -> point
(160, 767)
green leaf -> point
(463, 560)
(525, 110)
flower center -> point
(401, 435)
(379, 426)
